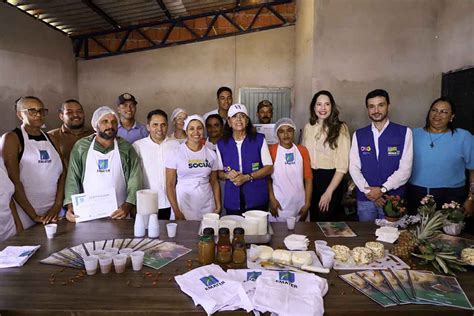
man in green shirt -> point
(101, 161)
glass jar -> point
(206, 246)
(239, 233)
(224, 247)
(239, 255)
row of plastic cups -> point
(104, 259)
(325, 253)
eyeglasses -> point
(35, 112)
(442, 112)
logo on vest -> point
(198, 163)
(289, 159)
(103, 165)
(255, 166)
(287, 277)
(365, 150)
(44, 157)
(253, 275)
(393, 151)
(211, 282)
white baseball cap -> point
(237, 108)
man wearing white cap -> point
(191, 175)
(291, 184)
(102, 161)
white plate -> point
(389, 261)
(316, 262)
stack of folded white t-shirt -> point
(296, 242)
(213, 289)
(288, 293)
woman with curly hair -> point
(328, 142)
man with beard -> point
(128, 128)
(72, 129)
(381, 158)
(103, 160)
(264, 112)
(224, 101)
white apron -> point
(40, 169)
(7, 224)
(195, 198)
(288, 182)
(105, 171)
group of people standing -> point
(219, 163)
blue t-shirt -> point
(138, 131)
(444, 164)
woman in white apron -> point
(191, 175)
(291, 181)
(38, 176)
(7, 207)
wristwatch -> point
(250, 177)
(383, 189)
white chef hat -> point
(237, 108)
(193, 118)
(284, 121)
(99, 113)
(176, 112)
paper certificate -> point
(93, 206)
(269, 131)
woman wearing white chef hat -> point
(178, 131)
(191, 175)
(291, 183)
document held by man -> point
(93, 206)
(269, 131)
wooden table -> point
(27, 290)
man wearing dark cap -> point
(129, 129)
(264, 112)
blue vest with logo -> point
(376, 171)
(255, 192)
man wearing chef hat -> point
(104, 160)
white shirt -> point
(264, 154)
(398, 178)
(152, 159)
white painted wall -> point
(188, 76)
(34, 60)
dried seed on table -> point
(169, 280)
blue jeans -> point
(368, 211)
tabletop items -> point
(399, 287)
(16, 256)
(280, 292)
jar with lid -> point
(239, 233)
(239, 255)
(224, 247)
(206, 246)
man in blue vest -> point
(381, 158)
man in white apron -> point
(33, 165)
(291, 183)
(153, 151)
(101, 161)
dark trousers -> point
(441, 196)
(321, 180)
(164, 213)
(240, 212)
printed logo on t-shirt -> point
(253, 275)
(44, 157)
(393, 151)
(211, 282)
(199, 163)
(255, 166)
(286, 277)
(103, 165)
(289, 158)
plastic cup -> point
(120, 261)
(127, 252)
(105, 263)
(91, 264)
(98, 252)
(327, 258)
(290, 222)
(50, 230)
(137, 260)
(171, 229)
(113, 251)
(320, 244)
